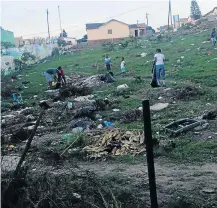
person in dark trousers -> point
(61, 75)
(108, 63)
(213, 36)
(160, 68)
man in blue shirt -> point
(49, 74)
(107, 63)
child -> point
(61, 75)
(123, 66)
(107, 63)
(213, 36)
(160, 69)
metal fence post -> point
(149, 153)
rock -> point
(122, 87)
(159, 106)
(178, 61)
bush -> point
(26, 56)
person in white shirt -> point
(123, 65)
(160, 68)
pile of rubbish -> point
(117, 142)
(92, 81)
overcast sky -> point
(28, 18)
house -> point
(7, 36)
(112, 30)
(212, 15)
(19, 41)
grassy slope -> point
(197, 68)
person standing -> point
(108, 62)
(213, 36)
(160, 68)
(123, 66)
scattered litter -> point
(9, 116)
(160, 98)
(182, 57)
(98, 116)
(108, 123)
(116, 110)
(100, 126)
(122, 87)
(182, 125)
(159, 106)
(35, 96)
(209, 137)
(178, 61)
(201, 127)
(131, 116)
(192, 44)
(11, 147)
(69, 105)
(209, 191)
(209, 52)
(77, 130)
(143, 55)
(85, 98)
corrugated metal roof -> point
(91, 26)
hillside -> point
(186, 171)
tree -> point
(195, 10)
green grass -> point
(196, 68)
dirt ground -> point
(200, 181)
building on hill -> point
(7, 36)
(113, 30)
(212, 15)
(19, 42)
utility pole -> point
(48, 26)
(60, 19)
(147, 18)
(170, 21)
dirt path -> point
(200, 181)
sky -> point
(29, 18)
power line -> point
(84, 23)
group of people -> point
(55, 74)
(158, 72)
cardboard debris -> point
(159, 106)
(127, 142)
